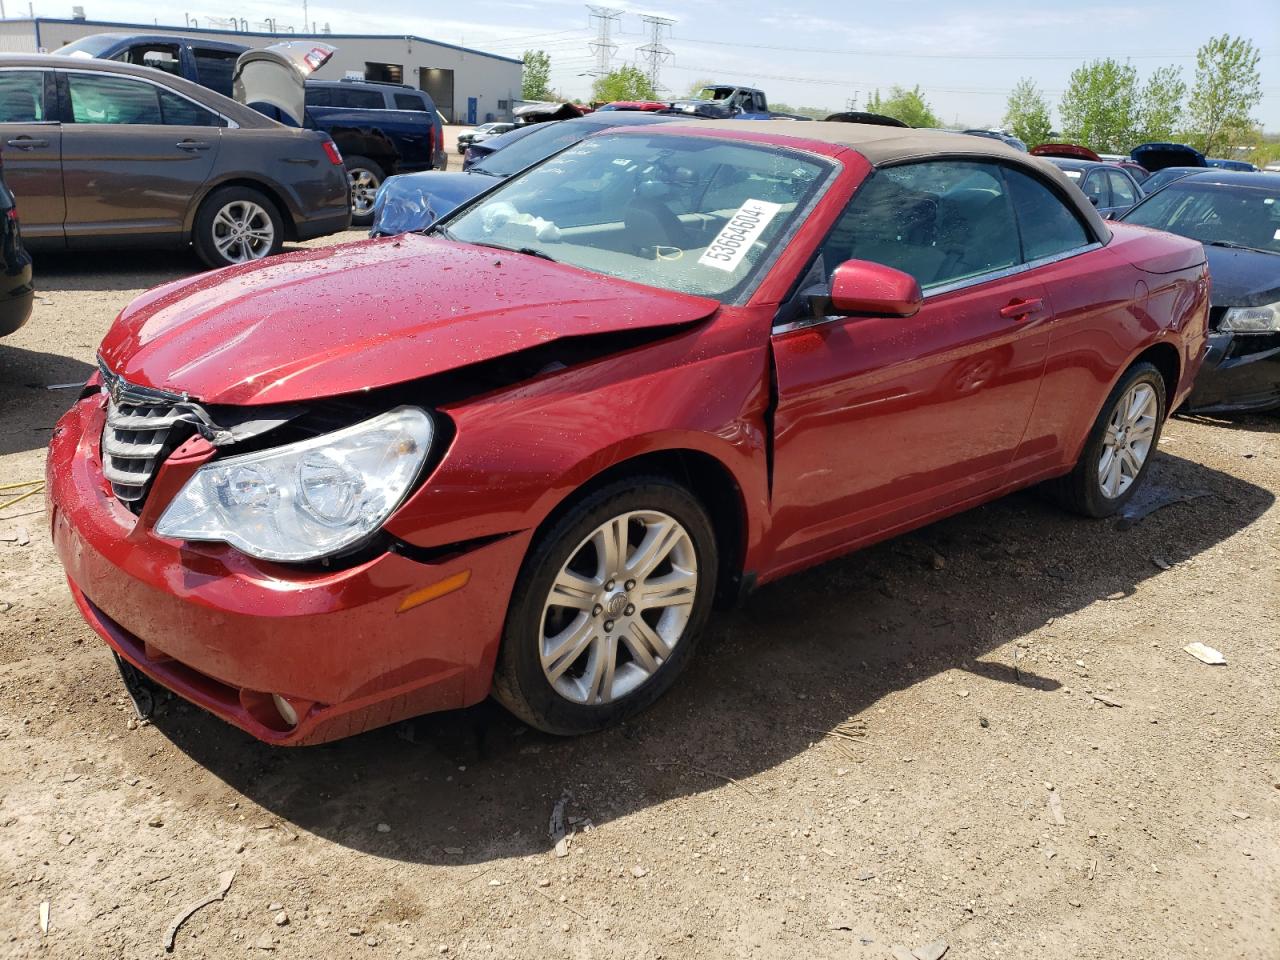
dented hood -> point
(333, 321)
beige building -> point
(468, 86)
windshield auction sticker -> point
(743, 229)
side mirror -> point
(863, 287)
(1093, 198)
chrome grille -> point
(132, 443)
(136, 434)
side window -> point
(409, 101)
(319, 97)
(940, 221)
(107, 99)
(214, 69)
(179, 111)
(1122, 192)
(1049, 225)
(21, 96)
(1094, 186)
(159, 56)
(359, 99)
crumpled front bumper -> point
(227, 632)
(1240, 373)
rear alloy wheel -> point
(237, 225)
(608, 608)
(365, 177)
(1118, 451)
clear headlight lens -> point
(1264, 319)
(306, 500)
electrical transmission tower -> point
(654, 51)
(606, 18)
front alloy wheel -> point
(608, 606)
(618, 607)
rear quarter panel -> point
(1107, 311)
(290, 163)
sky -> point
(965, 56)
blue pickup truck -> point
(723, 101)
(381, 128)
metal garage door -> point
(438, 83)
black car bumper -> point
(323, 226)
(1241, 373)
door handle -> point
(1021, 308)
(192, 145)
(26, 143)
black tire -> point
(1080, 490)
(520, 684)
(363, 174)
(207, 230)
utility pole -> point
(606, 18)
(654, 51)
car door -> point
(32, 138)
(134, 154)
(1096, 188)
(1124, 193)
(881, 421)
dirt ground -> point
(866, 755)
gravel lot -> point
(865, 756)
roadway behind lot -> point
(862, 757)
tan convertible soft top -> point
(888, 145)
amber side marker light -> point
(435, 591)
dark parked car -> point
(16, 292)
(1237, 218)
(1242, 166)
(1005, 138)
(1108, 186)
(1157, 156)
(1166, 176)
(414, 202)
(380, 128)
(109, 154)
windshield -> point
(526, 146)
(697, 215)
(1230, 214)
(88, 46)
(1168, 175)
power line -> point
(654, 51)
(602, 46)
(938, 56)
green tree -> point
(1160, 104)
(909, 106)
(1227, 88)
(1027, 114)
(625, 83)
(537, 75)
(697, 86)
(1100, 107)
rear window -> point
(214, 69)
(359, 99)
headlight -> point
(1264, 319)
(305, 500)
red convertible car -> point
(526, 454)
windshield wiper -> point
(527, 251)
(440, 230)
(1234, 246)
